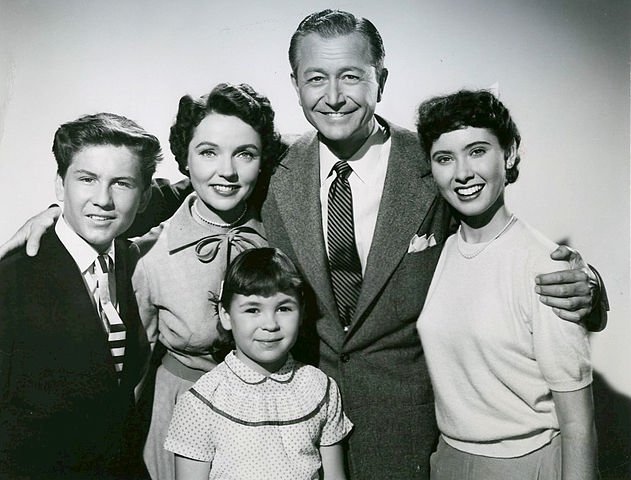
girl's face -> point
(469, 167)
(224, 160)
(264, 328)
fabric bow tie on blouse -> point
(240, 238)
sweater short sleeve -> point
(561, 347)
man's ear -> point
(294, 82)
(59, 188)
(224, 318)
(144, 199)
(383, 76)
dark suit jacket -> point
(62, 411)
(379, 363)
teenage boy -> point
(71, 344)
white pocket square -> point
(418, 244)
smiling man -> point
(70, 336)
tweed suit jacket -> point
(62, 411)
(379, 363)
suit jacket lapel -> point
(297, 188)
(73, 299)
(408, 193)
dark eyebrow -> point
(250, 303)
(114, 179)
(440, 152)
(238, 148)
(85, 172)
(247, 145)
(129, 179)
(339, 70)
(466, 147)
(472, 144)
(206, 143)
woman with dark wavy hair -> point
(512, 384)
(225, 142)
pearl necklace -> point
(460, 241)
(217, 224)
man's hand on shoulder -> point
(571, 293)
(31, 232)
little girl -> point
(260, 414)
(511, 382)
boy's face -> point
(102, 191)
(264, 329)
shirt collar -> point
(363, 160)
(248, 375)
(81, 251)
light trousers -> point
(448, 463)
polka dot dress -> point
(250, 426)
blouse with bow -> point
(179, 270)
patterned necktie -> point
(111, 319)
(344, 265)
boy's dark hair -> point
(259, 271)
(106, 129)
(468, 108)
(336, 23)
(240, 101)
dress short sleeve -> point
(337, 423)
(191, 430)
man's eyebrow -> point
(82, 171)
(341, 69)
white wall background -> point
(562, 67)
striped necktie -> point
(111, 319)
(344, 265)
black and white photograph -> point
(347, 240)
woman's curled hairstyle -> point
(240, 101)
(466, 108)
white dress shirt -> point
(84, 256)
(369, 165)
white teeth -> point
(335, 114)
(98, 217)
(469, 190)
(224, 188)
